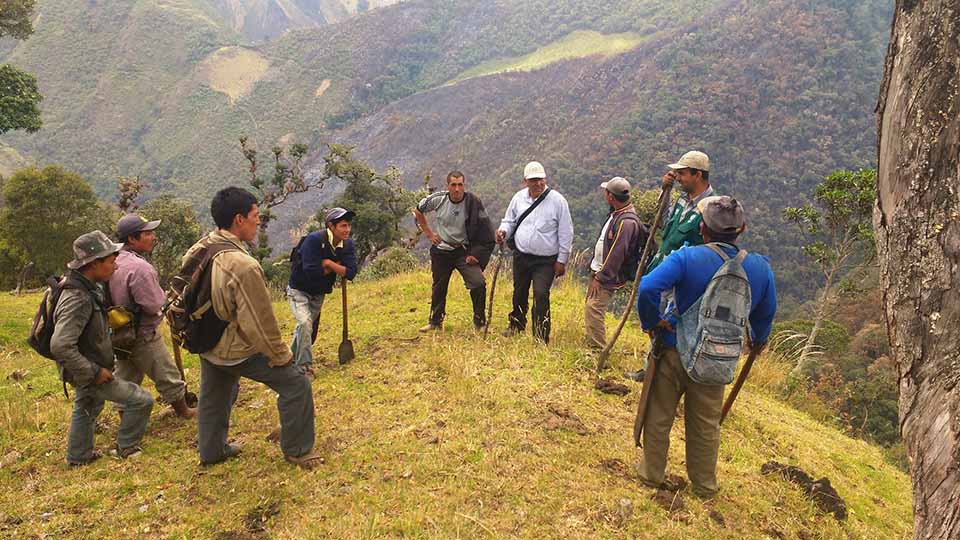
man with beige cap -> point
(682, 227)
(538, 228)
(615, 258)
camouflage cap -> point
(90, 247)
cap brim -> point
(151, 225)
(678, 166)
(535, 176)
(603, 185)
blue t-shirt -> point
(688, 271)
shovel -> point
(345, 352)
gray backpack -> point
(710, 332)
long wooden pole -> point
(641, 269)
(493, 290)
(754, 352)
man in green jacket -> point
(682, 227)
(682, 224)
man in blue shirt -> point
(688, 271)
(315, 263)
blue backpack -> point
(710, 332)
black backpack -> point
(190, 303)
(41, 332)
(632, 264)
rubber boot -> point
(182, 410)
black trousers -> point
(442, 265)
(218, 392)
(536, 270)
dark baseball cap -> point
(133, 223)
(722, 214)
(337, 214)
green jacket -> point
(678, 233)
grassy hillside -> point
(441, 436)
(579, 44)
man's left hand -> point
(472, 260)
(559, 269)
(593, 289)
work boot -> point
(126, 453)
(183, 411)
(430, 327)
(307, 462)
(229, 451)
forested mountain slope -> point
(779, 93)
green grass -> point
(579, 44)
(441, 436)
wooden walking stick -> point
(641, 269)
(648, 375)
(754, 352)
(493, 289)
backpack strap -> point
(716, 248)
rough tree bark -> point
(918, 242)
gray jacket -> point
(81, 339)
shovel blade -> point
(345, 352)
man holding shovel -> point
(689, 271)
(315, 263)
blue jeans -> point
(306, 311)
(87, 404)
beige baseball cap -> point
(692, 160)
(534, 169)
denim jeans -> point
(219, 386)
(87, 404)
(306, 311)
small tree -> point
(178, 230)
(839, 237)
(44, 212)
(129, 189)
(19, 96)
(379, 200)
(287, 178)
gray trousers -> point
(219, 386)
(87, 404)
(149, 356)
(306, 310)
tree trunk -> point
(805, 356)
(917, 221)
(23, 277)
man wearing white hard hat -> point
(538, 228)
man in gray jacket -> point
(81, 345)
